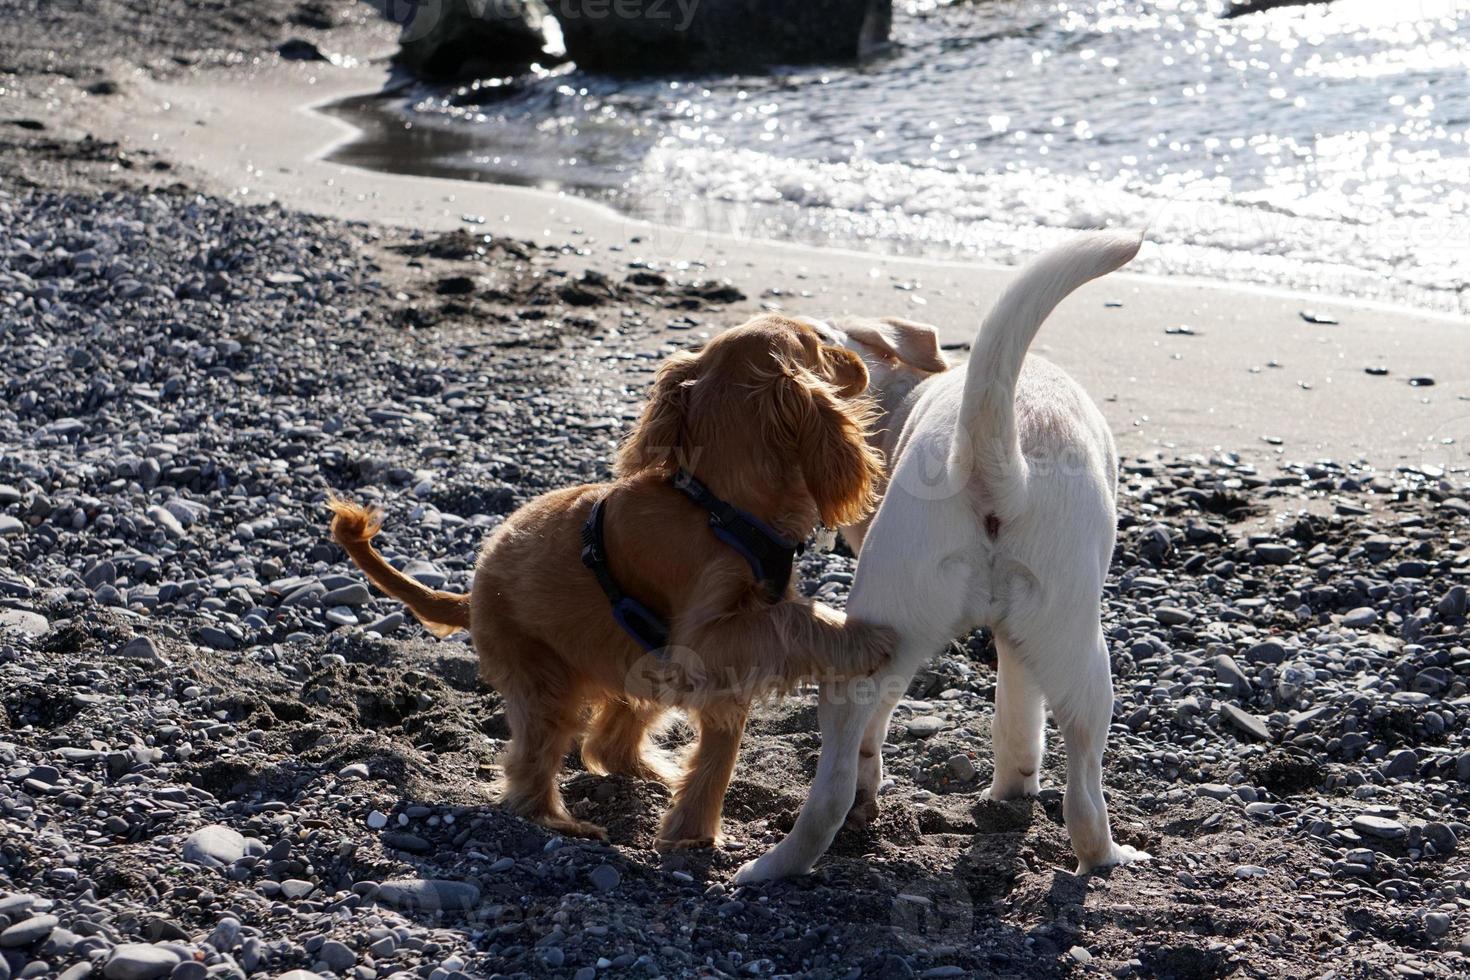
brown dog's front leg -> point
(694, 819)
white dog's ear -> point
(915, 344)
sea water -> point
(1322, 147)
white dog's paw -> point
(768, 867)
(753, 871)
(1120, 854)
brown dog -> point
(768, 418)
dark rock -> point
(720, 35)
(463, 40)
(1245, 722)
(1239, 8)
(297, 49)
(428, 894)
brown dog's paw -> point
(665, 845)
(571, 827)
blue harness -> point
(769, 554)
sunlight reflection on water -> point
(1317, 147)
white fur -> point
(1014, 439)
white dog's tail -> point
(985, 438)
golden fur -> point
(771, 420)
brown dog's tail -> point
(353, 527)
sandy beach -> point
(1250, 376)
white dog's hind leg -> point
(1017, 733)
(870, 753)
(843, 709)
(1081, 698)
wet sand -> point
(1251, 375)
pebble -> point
(605, 877)
(1381, 828)
(28, 931)
(925, 726)
(1360, 618)
(215, 846)
(140, 961)
(337, 956)
(428, 894)
(1245, 722)
(24, 621)
(141, 648)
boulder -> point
(631, 37)
(1239, 8)
(461, 40)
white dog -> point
(999, 512)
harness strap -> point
(637, 620)
(769, 554)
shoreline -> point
(259, 135)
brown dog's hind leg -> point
(694, 818)
(544, 721)
(617, 743)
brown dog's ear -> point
(915, 344)
(829, 437)
(849, 373)
(657, 441)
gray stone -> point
(28, 931)
(1442, 836)
(1229, 673)
(170, 524)
(1266, 652)
(337, 956)
(961, 768)
(140, 961)
(216, 638)
(925, 726)
(349, 595)
(1245, 722)
(1173, 616)
(1360, 618)
(10, 525)
(25, 621)
(1380, 827)
(387, 625)
(189, 970)
(1453, 603)
(459, 40)
(1275, 553)
(429, 894)
(141, 648)
(605, 877)
(1403, 764)
(297, 888)
(215, 846)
